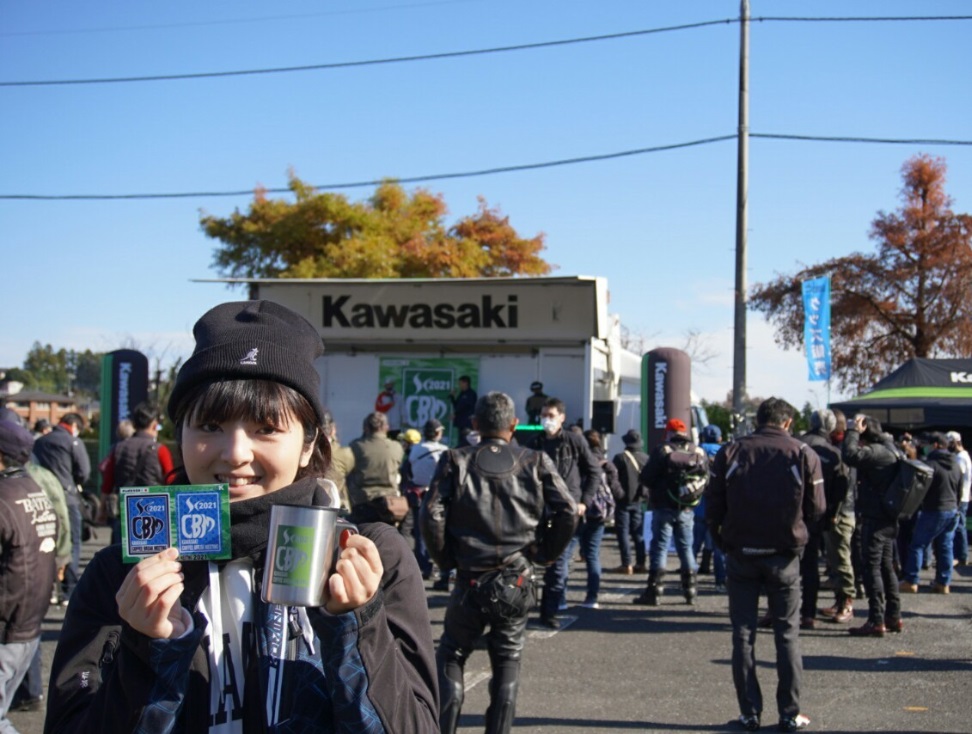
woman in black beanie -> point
(165, 646)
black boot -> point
(689, 586)
(502, 697)
(451, 694)
(653, 591)
(705, 567)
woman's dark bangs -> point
(261, 401)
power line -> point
(471, 52)
(361, 184)
(846, 139)
(862, 18)
(381, 8)
(487, 171)
(368, 62)
(233, 21)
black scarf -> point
(250, 519)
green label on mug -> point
(291, 562)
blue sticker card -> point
(145, 523)
(199, 524)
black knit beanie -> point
(253, 340)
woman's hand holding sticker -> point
(148, 599)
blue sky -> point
(660, 227)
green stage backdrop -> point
(424, 385)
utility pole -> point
(742, 196)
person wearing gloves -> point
(163, 646)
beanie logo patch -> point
(251, 357)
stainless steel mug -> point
(303, 547)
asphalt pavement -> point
(629, 668)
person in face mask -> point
(582, 472)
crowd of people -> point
(709, 502)
(167, 644)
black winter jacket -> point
(28, 539)
(574, 461)
(491, 502)
(876, 465)
(629, 465)
(946, 485)
(765, 489)
(137, 462)
(836, 474)
(65, 456)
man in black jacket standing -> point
(873, 454)
(581, 471)
(62, 453)
(463, 406)
(765, 489)
(490, 512)
(28, 529)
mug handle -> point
(340, 526)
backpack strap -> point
(419, 458)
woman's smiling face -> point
(252, 457)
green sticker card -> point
(193, 518)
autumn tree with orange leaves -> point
(911, 298)
(394, 234)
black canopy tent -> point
(920, 394)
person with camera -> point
(873, 454)
(491, 511)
